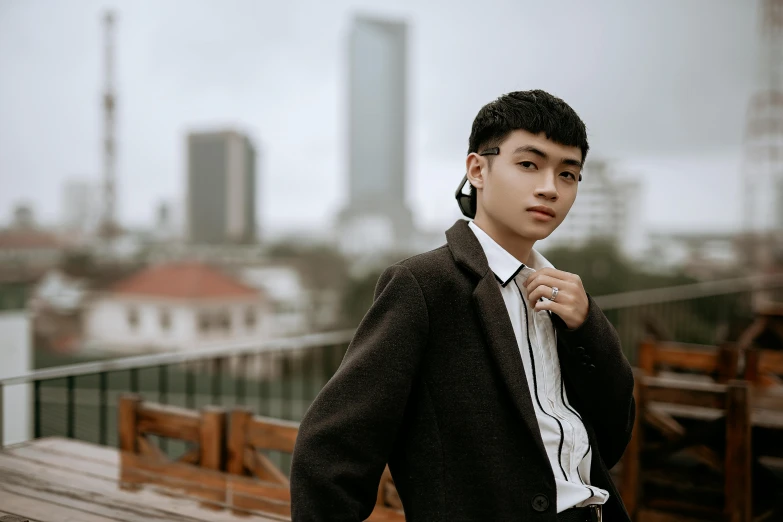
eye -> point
(527, 164)
(569, 174)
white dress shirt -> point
(564, 435)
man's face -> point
(530, 171)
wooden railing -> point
(709, 420)
(246, 480)
(203, 431)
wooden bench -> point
(764, 368)
(719, 362)
(251, 436)
(227, 469)
(203, 431)
(691, 441)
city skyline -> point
(636, 98)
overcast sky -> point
(662, 86)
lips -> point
(544, 210)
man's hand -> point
(571, 303)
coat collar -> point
(505, 266)
(466, 248)
(495, 322)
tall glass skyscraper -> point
(376, 216)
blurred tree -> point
(358, 296)
(604, 270)
(322, 266)
(77, 263)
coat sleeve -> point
(347, 433)
(594, 364)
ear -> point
(476, 167)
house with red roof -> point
(174, 306)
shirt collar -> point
(505, 266)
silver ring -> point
(555, 291)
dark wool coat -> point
(433, 383)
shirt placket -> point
(550, 382)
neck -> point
(516, 245)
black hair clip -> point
(463, 198)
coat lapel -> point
(498, 332)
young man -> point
(491, 383)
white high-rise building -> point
(606, 208)
(376, 216)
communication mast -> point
(109, 228)
(762, 168)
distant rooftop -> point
(183, 280)
(28, 238)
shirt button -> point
(540, 503)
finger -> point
(555, 273)
(553, 306)
(549, 281)
(546, 291)
(539, 292)
(550, 273)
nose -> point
(547, 187)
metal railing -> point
(703, 313)
(280, 378)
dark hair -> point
(534, 111)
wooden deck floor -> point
(61, 480)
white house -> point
(289, 301)
(175, 306)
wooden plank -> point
(701, 394)
(260, 504)
(272, 434)
(629, 484)
(65, 469)
(705, 360)
(211, 437)
(686, 412)
(239, 419)
(148, 449)
(64, 461)
(767, 419)
(192, 456)
(646, 357)
(78, 448)
(728, 362)
(263, 468)
(5, 517)
(127, 419)
(673, 431)
(100, 490)
(220, 489)
(738, 453)
(771, 361)
(175, 472)
(168, 421)
(663, 422)
(772, 462)
(769, 399)
(57, 495)
(207, 496)
(259, 488)
(45, 512)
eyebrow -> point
(544, 155)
